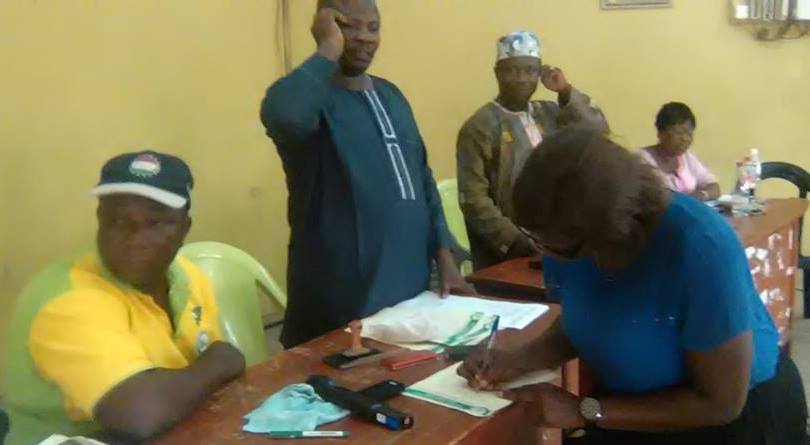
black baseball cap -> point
(160, 177)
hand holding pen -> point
(487, 367)
(488, 351)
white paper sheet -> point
(428, 318)
(446, 388)
(513, 315)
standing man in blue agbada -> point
(365, 216)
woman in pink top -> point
(680, 169)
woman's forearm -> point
(548, 351)
(672, 410)
(708, 192)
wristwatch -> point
(591, 410)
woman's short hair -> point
(581, 184)
(674, 113)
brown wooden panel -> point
(515, 277)
(219, 421)
(773, 262)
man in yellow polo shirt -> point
(124, 341)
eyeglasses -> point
(567, 253)
(681, 130)
(513, 72)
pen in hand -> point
(486, 363)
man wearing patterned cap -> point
(494, 143)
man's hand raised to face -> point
(326, 31)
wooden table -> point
(219, 422)
(513, 277)
(772, 248)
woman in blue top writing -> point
(656, 298)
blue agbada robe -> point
(364, 212)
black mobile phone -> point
(385, 390)
(359, 404)
(339, 359)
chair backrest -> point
(448, 191)
(212, 250)
(793, 174)
(789, 172)
(235, 276)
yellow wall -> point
(85, 79)
(745, 93)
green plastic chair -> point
(448, 191)
(235, 276)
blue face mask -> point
(293, 408)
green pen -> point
(309, 434)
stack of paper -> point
(427, 320)
(448, 389)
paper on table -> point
(452, 320)
(446, 388)
(513, 315)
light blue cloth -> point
(294, 408)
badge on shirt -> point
(202, 342)
(506, 137)
(196, 312)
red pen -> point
(415, 358)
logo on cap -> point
(145, 166)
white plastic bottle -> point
(754, 171)
(743, 183)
